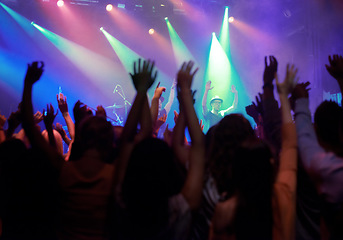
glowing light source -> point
(109, 7)
(101, 29)
(151, 31)
(60, 3)
(166, 18)
(231, 19)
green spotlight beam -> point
(180, 49)
(218, 71)
(23, 22)
(224, 37)
(125, 54)
(94, 66)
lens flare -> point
(231, 19)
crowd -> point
(147, 182)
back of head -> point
(152, 177)
(252, 173)
(228, 134)
(328, 125)
(93, 133)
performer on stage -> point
(215, 115)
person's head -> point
(253, 178)
(227, 135)
(94, 133)
(328, 124)
(152, 176)
(216, 103)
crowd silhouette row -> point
(282, 180)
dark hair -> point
(152, 177)
(93, 132)
(328, 123)
(252, 173)
(228, 134)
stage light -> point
(109, 7)
(151, 31)
(231, 19)
(60, 3)
(166, 18)
(101, 29)
(32, 23)
(213, 34)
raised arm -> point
(63, 107)
(49, 118)
(171, 97)
(142, 78)
(155, 102)
(234, 104)
(34, 72)
(204, 98)
(192, 188)
(286, 180)
(288, 166)
(336, 70)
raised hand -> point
(252, 111)
(38, 117)
(301, 91)
(259, 103)
(336, 69)
(184, 76)
(158, 91)
(62, 103)
(208, 86)
(49, 115)
(143, 76)
(233, 89)
(160, 121)
(34, 72)
(269, 70)
(287, 86)
(100, 111)
(60, 130)
(176, 115)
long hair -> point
(152, 177)
(227, 135)
(252, 173)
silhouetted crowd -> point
(282, 180)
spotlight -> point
(151, 31)
(109, 7)
(101, 29)
(213, 34)
(166, 18)
(32, 23)
(60, 3)
(231, 19)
